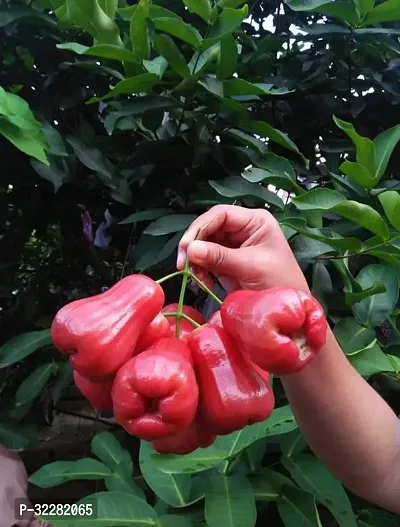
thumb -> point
(215, 258)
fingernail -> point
(180, 261)
(198, 252)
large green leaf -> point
(227, 57)
(120, 480)
(385, 143)
(226, 22)
(109, 450)
(371, 360)
(313, 477)
(200, 7)
(62, 380)
(56, 171)
(366, 152)
(10, 15)
(146, 215)
(297, 507)
(236, 86)
(23, 345)
(384, 12)
(377, 518)
(59, 472)
(17, 437)
(229, 501)
(347, 12)
(375, 309)
(31, 387)
(139, 31)
(109, 7)
(174, 489)
(91, 157)
(267, 484)
(111, 509)
(103, 51)
(179, 29)
(358, 173)
(248, 140)
(352, 336)
(170, 51)
(169, 224)
(266, 130)
(275, 170)
(390, 202)
(88, 15)
(139, 84)
(305, 5)
(148, 103)
(236, 186)
(331, 200)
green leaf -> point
(248, 140)
(201, 59)
(229, 501)
(293, 443)
(173, 520)
(366, 152)
(56, 172)
(325, 235)
(307, 249)
(230, 3)
(89, 16)
(59, 472)
(390, 202)
(31, 143)
(169, 50)
(352, 336)
(21, 346)
(385, 143)
(140, 84)
(370, 361)
(103, 51)
(174, 489)
(358, 173)
(145, 215)
(168, 224)
(226, 22)
(227, 57)
(202, 8)
(139, 31)
(158, 66)
(55, 141)
(376, 309)
(237, 86)
(331, 200)
(275, 170)
(305, 5)
(109, 7)
(91, 157)
(377, 518)
(236, 186)
(62, 380)
(10, 15)
(297, 507)
(353, 298)
(347, 12)
(384, 12)
(120, 480)
(179, 29)
(112, 509)
(108, 449)
(267, 484)
(267, 131)
(313, 477)
(17, 437)
(31, 387)
(148, 103)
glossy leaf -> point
(293, 443)
(60, 472)
(91, 157)
(366, 151)
(120, 480)
(385, 143)
(108, 449)
(352, 336)
(297, 507)
(23, 345)
(32, 386)
(235, 186)
(178, 28)
(169, 50)
(313, 477)
(384, 12)
(390, 202)
(174, 489)
(371, 360)
(236, 86)
(331, 200)
(226, 22)
(228, 57)
(376, 309)
(358, 173)
(229, 501)
(267, 484)
(168, 224)
(200, 7)
(146, 215)
(140, 84)
(139, 31)
(103, 51)
(305, 5)
(248, 140)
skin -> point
(347, 424)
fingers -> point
(216, 258)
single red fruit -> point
(100, 332)
(232, 394)
(282, 328)
(157, 329)
(155, 394)
(97, 393)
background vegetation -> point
(120, 124)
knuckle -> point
(219, 256)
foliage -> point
(140, 117)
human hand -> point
(244, 248)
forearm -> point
(348, 426)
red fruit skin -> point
(196, 435)
(232, 394)
(155, 394)
(282, 328)
(185, 327)
(157, 329)
(97, 393)
(216, 319)
(100, 332)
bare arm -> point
(346, 423)
(348, 426)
